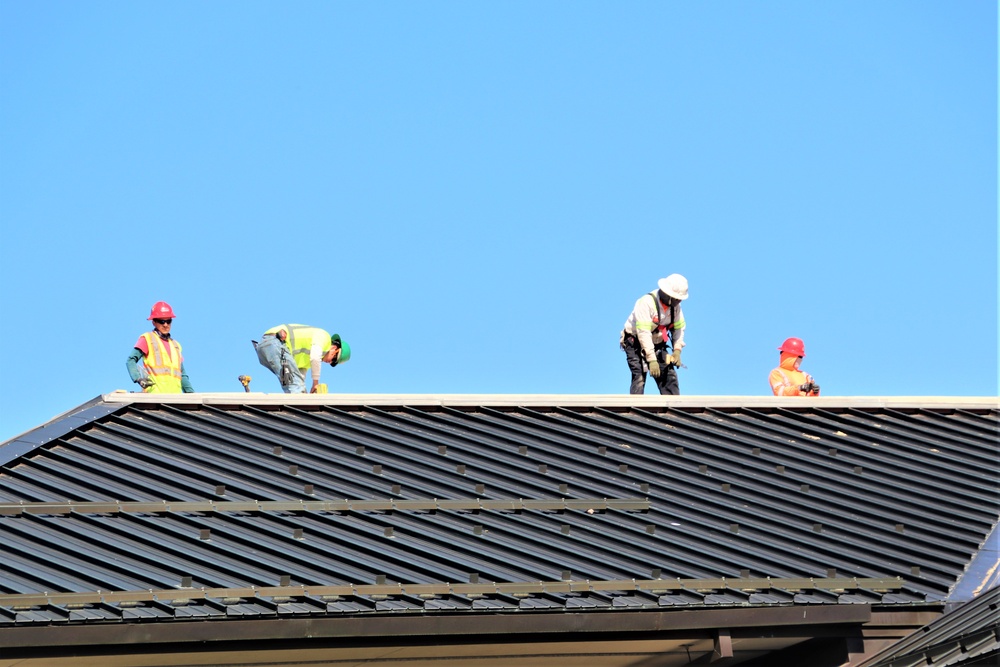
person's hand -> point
(314, 388)
(807, 387)
(675, 358)
(654, 369)
(145, 383)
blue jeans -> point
(274, 356)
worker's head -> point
(162, 325)
(673, 288)
(162, 316)
(792, 351)
(339, 352)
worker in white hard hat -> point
(656, 321)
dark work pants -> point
(667, 382)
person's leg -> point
(269, 355)
(293, 379)
(633, 356)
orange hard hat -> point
(161, 311)
(794, 346)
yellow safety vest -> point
(163, 369)
(300, 339)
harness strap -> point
(659, 316)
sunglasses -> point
(163, 321)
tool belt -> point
(632, 340)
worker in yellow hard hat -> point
(788, 379)
(656, 321)
(156, 363)
(291, 350)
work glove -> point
(808, 387)
(654, 368)
(145, 383)
(675, 357)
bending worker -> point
(289, 350)
(656, 318)
(162, 370)
(787, 379)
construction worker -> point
(162, 369)
(656, 318)
(289, 350)
(787, 379)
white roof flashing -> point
(561, 400)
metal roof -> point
(969, 635)
(144, 507)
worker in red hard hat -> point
(162, 365)
(787, 379)
(655, 322)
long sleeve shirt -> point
(644, 323)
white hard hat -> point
(674, 285)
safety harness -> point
(659, 316)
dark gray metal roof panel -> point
(968, 635)
(874, 490)
(983, 571)
(56, 427)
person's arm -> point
(677, 335)
(782, 385)
(185, 381)
(132, 363)
(644, 309)
(316, 362)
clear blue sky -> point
(473, 194)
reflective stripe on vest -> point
(163, 368)
(785, 381)
(789, 382)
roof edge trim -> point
(983, 572)
(450, 588)
(560, 400)
(56, 427)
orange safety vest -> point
(785, 380)
(163, 368)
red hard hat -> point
(161, 311)
(794, 346)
